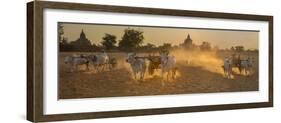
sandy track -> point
(119, 82)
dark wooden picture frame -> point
(35, 60)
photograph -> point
(109, 60)
(94, 60)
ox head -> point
(228, 60)
(67, 59)
(164, 58)
(131, 57)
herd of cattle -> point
(165, 62)
(244, 65)
(102, 61)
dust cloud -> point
(207, 60)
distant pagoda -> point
(187, 42)
(82, 42)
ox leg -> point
(228, 75)
(162, 76)
(251, 70)
(240, 69)
(87, 66)
(248, 72)
(135, 75)
(174, 73)
(96, 68)
(102, 67)
(75, 67)
(168, 74)
(142, 75)
(99, 67)
(107, 66)
(224, 73)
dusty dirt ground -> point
(198, 73)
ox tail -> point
(174, 72)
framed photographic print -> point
(97, 61)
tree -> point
(131, 39)
(232, 48)
(205, 46)
(165, 47)
(63, 45)
(216, 48)
(61, 32)
(64, 41)
(147, 48)
(109, 41)
(239, 48)
(150, 46)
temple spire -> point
(188, 40)
(82, 34)
(188, 36)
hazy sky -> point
(158, 36)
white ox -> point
(227, 68)
(75, 61)
(100, 61)
(246, 66)
(138, 65)
(168, 65)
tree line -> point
(132, 40)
